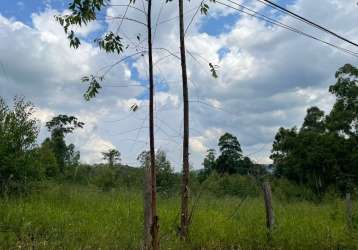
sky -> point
(267, 76)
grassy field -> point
(76, 217)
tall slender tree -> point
(155, 226)
(184, 215)
(83, 12)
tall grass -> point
(80, 217)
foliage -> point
(18, 134)
(231, 160)
(46, 158)
(72, 157)
(110, 43)
(166, 179)
(81, 12)
(231, 154)
(231, 185)
(104, 177)
(113, 156)
(209, 164)
(324, 151)
(59, 126)
(93, 87)
(64, 123)
(84, 12)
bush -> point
(232, 185)
(104, 177)
(285, 190)
(18, 134)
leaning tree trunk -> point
(184, 215)
(154, 220)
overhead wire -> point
(282, 25)
(305, 20)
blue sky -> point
(21, 10)
(268, 77)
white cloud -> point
(268, 77)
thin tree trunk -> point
(270, 217)
(349, 211)
(154, 227)
(147, 206)
(184, 215)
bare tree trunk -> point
(154, 227)
(184, 215)
(147, 207)
(349, 211)
(270, 217)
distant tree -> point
(231, 154)
(59, 126)
(73, 156)
(245, 165)
(47, 159)
(113, 156)
(209, 164)
(209, 160)
(165, 175)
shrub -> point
(18, 134)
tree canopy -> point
(324, 151)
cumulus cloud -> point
(268, 76)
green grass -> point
(76, 217)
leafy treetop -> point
(63, 123)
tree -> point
(344, 116)
(72, 157)
(18, 133)
(59, 126)
(113, 156)
(47, 159)
(314, 120)
(343, 121)
(324, 151)
(231, 154)
(209, 161)
(184, 215)
(83, 12)
(164, 170)
(209, 164)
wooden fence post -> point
(349, 211)
(270, 216)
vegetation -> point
(18, 133)
(324, 151)
(78, 217)
(49, 200)
(112, 156)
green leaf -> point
(93, 86)
(111, 43)
(213, 70)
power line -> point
(282, 25)
(305, 20)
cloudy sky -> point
(268, 76)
